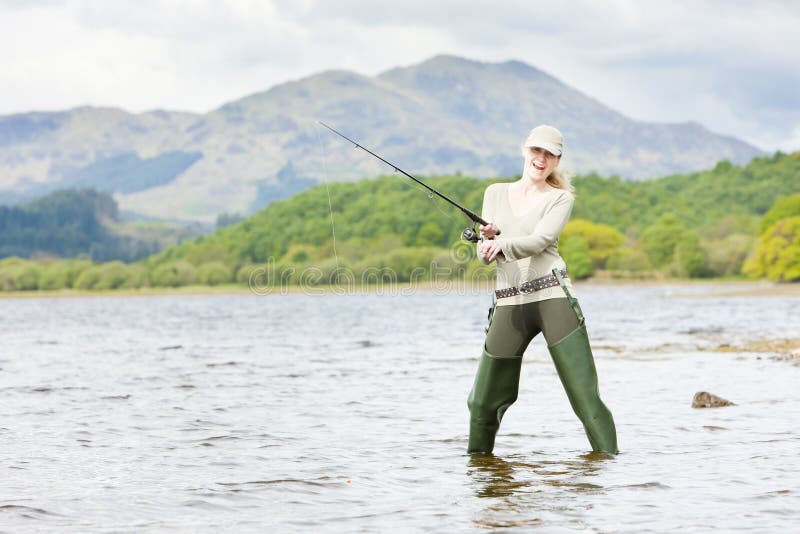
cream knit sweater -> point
(529, 241)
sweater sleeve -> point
(487, 214)
(544, 234)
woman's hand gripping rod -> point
(470, 234)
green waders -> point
(497, 380)
(574, 362)
(575, 365)
(495, 389)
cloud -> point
(730, 65)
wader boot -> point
(495, 389)
(575, 365)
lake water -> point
(347, 413)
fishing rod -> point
(469, 233)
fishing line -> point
(436, 202)
(330, 204)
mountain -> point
(444, 115)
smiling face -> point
(539, 163)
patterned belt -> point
(529, 287)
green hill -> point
(702, 224)
(375, 216)
(699, 199)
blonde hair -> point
(559, 178)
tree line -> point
(729, 221)
(68, 223)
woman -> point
(534, 295)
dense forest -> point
(729, 221)
(65, 224)
(82, 222)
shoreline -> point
(778, 349)
(713, 288)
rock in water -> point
(704, 399)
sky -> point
(731, 65)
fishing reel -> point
(471, 235)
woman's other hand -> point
(490, 249)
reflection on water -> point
(498, 477)
(517, 489)
(494, 477)
(348, 414)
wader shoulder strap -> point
(572, 300)
(491, 313)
